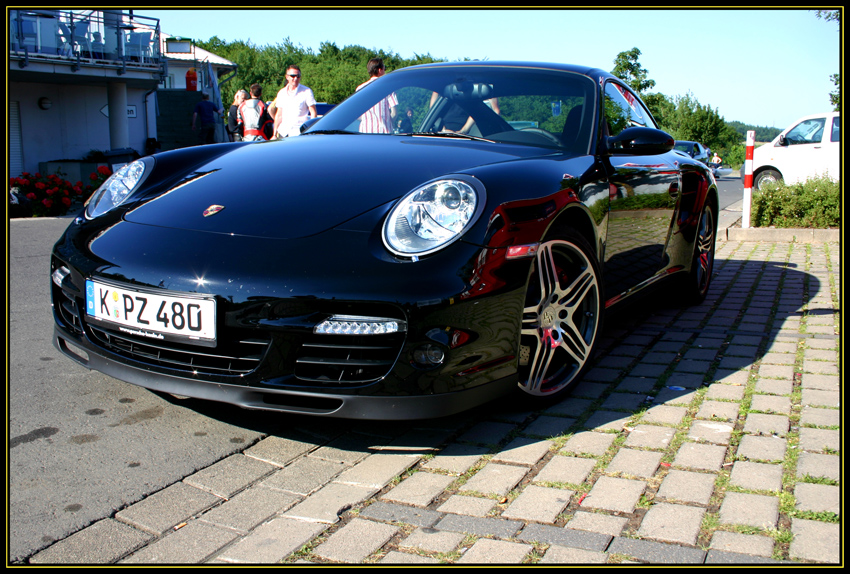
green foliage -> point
(647, 201)
(683, 117)
(835, 97)
(734, 156)
(815, 203)
(763, 134)
(661, 108)
(627, 68)
(695, 122)
(333, 73)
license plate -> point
(151, 315)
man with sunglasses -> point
(293, 106)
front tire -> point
(766, 177)
(698, 280)
(562, 317)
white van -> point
(810, 147)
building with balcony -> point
(98, 80)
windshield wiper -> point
(325, 132)
(450, 135)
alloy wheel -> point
(561, 318)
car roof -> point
(585, 70)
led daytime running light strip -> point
(354, 325)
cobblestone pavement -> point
(701, 435)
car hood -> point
(309, 184)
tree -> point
(661, 108)
(694, 121)
(627, 68)
(333, 74)
(835, 96)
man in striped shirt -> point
(379, 119)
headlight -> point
(116, 189)
(432, 216)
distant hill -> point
(763, 134)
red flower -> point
(40, 185)
(93, 176)
(31, 196)
(66, 201)
(104, 170)
(47, 203)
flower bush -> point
(51, 196)
(814, 203)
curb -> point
(780, 235)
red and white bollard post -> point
(748, 179)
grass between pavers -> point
(782, 535)
(710, 522)
(711, 519)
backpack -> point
(266, 124)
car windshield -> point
(502, 104)
(689, 148)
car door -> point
(801, 153)
(833, 147)
(642, 193)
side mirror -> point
(640, 141)
(782, 140)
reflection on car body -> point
(694, 149)
(417, 275)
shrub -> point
(51, 196)
(815, 203)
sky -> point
(762, 67)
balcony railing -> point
(110, 38)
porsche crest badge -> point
(212, 210)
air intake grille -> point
(340, 359)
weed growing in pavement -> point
(809, 479)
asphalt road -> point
(730, 189)
(83, 445)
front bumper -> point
(268, 357)
(324, 403)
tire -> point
(695, 287)
(562, 317)
(765, 177)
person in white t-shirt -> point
(379, 119)
(293, 106)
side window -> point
(624, 110)
(836, 129)
(806, 132)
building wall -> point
(75, 124)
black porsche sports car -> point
(355, 271)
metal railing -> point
(90, 37)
